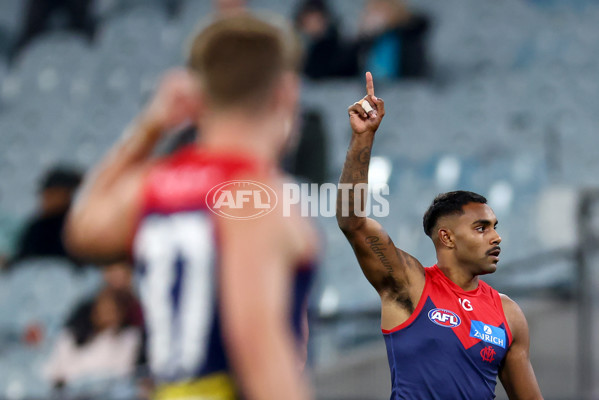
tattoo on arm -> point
(379, 249)
(356, 172)
(364, 155)
(401, 294)
(351, 199)
(360, 175)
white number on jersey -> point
(177, 290)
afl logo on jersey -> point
(241, 199)
(445, 318)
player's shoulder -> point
(514, 315)
(270, 215)
(509, 305)
(257, 200)
(413, 263)
(507, 301)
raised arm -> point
(101, 222)
(516, 374)
(395, 275)
(354, 177)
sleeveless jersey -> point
(176, 252)
(452, 345)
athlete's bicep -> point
(383, 264)
(516, 373)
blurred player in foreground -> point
(448, 334)
(222, 296)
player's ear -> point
(445, 237)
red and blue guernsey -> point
(452, 345)
(176, 250)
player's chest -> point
(477, 324)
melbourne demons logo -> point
(445, 318)
(488, 354)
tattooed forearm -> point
(355, 169)
(364, 155)
(355, 172)
(360, 175)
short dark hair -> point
(61, 176)
(447, 204)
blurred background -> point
(500, 98)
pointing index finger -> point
(369, 84)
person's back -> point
(223, 288)
(179, 253)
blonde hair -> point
(239, 57)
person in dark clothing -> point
(307, 159)
(38, 14)
(327, 54)
(42, 235)
(393, 41)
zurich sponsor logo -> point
(445, 318)
(488, 333)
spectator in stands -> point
(119, 277)
(116, 276)
(327, 54)
(42, 235)
(393, 40)
(38, 16)
(106, 348)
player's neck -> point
(458, 275)
(241, 134)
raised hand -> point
(366, 115)
(176, 101)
